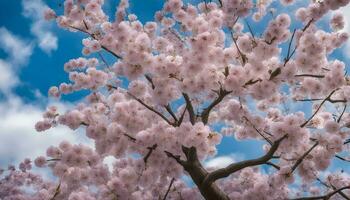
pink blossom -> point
(40, 161)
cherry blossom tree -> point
(196, 66)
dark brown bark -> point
(198, 173)
(226, 171)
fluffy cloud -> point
(219, 162)
(34, 10)
(19, 52)
(18, 49)
(222, 161)
(346, 12)
(18, 138)
(7, 77)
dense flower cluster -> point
(192, 70)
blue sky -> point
(32, 55)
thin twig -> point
(300, 160)
(290, 55)
(167, 192)
(150, 108)
(170, 111)
(250, 30)
(57, 191)
(325, 197)
(319, 107)
(329, 100)
(181, 117)
(94, 37)
(273, 165)
(130, 137)
(342, 113)
(342, 158)
(243, 57)
(149, 79)
(310, 75)
(257, 130)
(289, 47)
(150, 150)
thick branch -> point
(324, 197)
(198, 173)
(224, 172)
(341, 193)
(189, 108)
(220, 2)
(206, 112)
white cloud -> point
(19, 52)
(18, 49)
(221, 161)
(346, 12)
(19, 139)
(34, 9)
(7, 77)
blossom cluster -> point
(193, 69)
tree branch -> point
(197, 172)
(286, 60)
(300, 160)
(243, 56)
(150, 150)
(273, 165)
(319, 107)
(325, 197)
(167, 192)
(290, 55)
(57, 191)
(226, 171)
(342, 158)
(329, 100)
(341, 115)
(309, 75)
(257, 130)
(206, 112)
(94, 37)
(149, 79)
(150, 108)
(189, 108)
(170, 111)
(179, 122)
